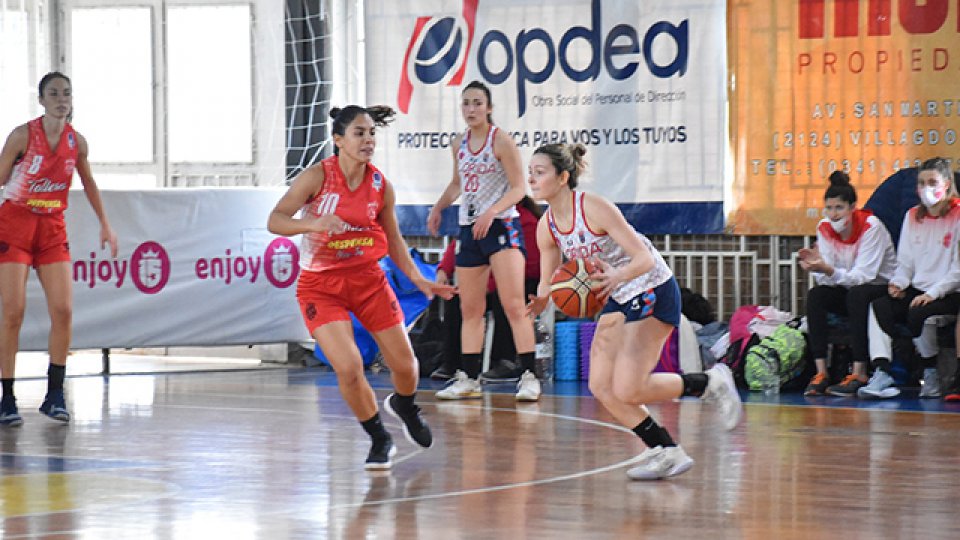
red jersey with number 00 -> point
(365, 241)
(41, 179)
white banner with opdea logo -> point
(642, 84)
(196, 267)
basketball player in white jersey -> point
(642, 307)
(488, 172)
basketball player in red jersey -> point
(348, 223)
(642, 308)
(36, 167)
(488, 177)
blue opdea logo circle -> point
(439, 50)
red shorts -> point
(331, 295)
(30, 238)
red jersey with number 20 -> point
(365, 241)
(41, 179)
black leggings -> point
(891, 311)
(853, 303)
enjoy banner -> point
(196, 267)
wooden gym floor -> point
(275, 454)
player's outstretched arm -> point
(549, 261)
(450, 193)
(92, 191)
(400, 252)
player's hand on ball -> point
(536, 304)
(605, 278)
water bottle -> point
(770, 384)
(543, 355)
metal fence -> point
(731, 271)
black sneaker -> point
(848, 387)
(416, 430)
(818, 385)
(443, 373)
(380, 453)
(504, 372)
(952, 393)
(9, 415)
(55, 407)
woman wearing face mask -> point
(851, 262)
(925, 283)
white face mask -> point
(840, 225)
(931, 195)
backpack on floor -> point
(781, 353)
(735, 357)
(426, 338)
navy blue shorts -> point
(503, 234)
(662, 302)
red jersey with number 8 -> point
(41, 179)
(364, 241)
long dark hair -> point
(382, 115)
(531, 206)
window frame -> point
(167, 172)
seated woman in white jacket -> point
(851, 262)
(925, 283)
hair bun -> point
(578, 150)
(335, 112)
(839, 178)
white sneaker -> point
(722, 390)
(528, 389)
(880, 386)
(461, 387)
(930, 385)
(659, 462)
(648, 455)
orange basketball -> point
(570, 289)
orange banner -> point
(868, 87)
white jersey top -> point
(482, 180)
(582, 243)
(927, 253)
(867, 257)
